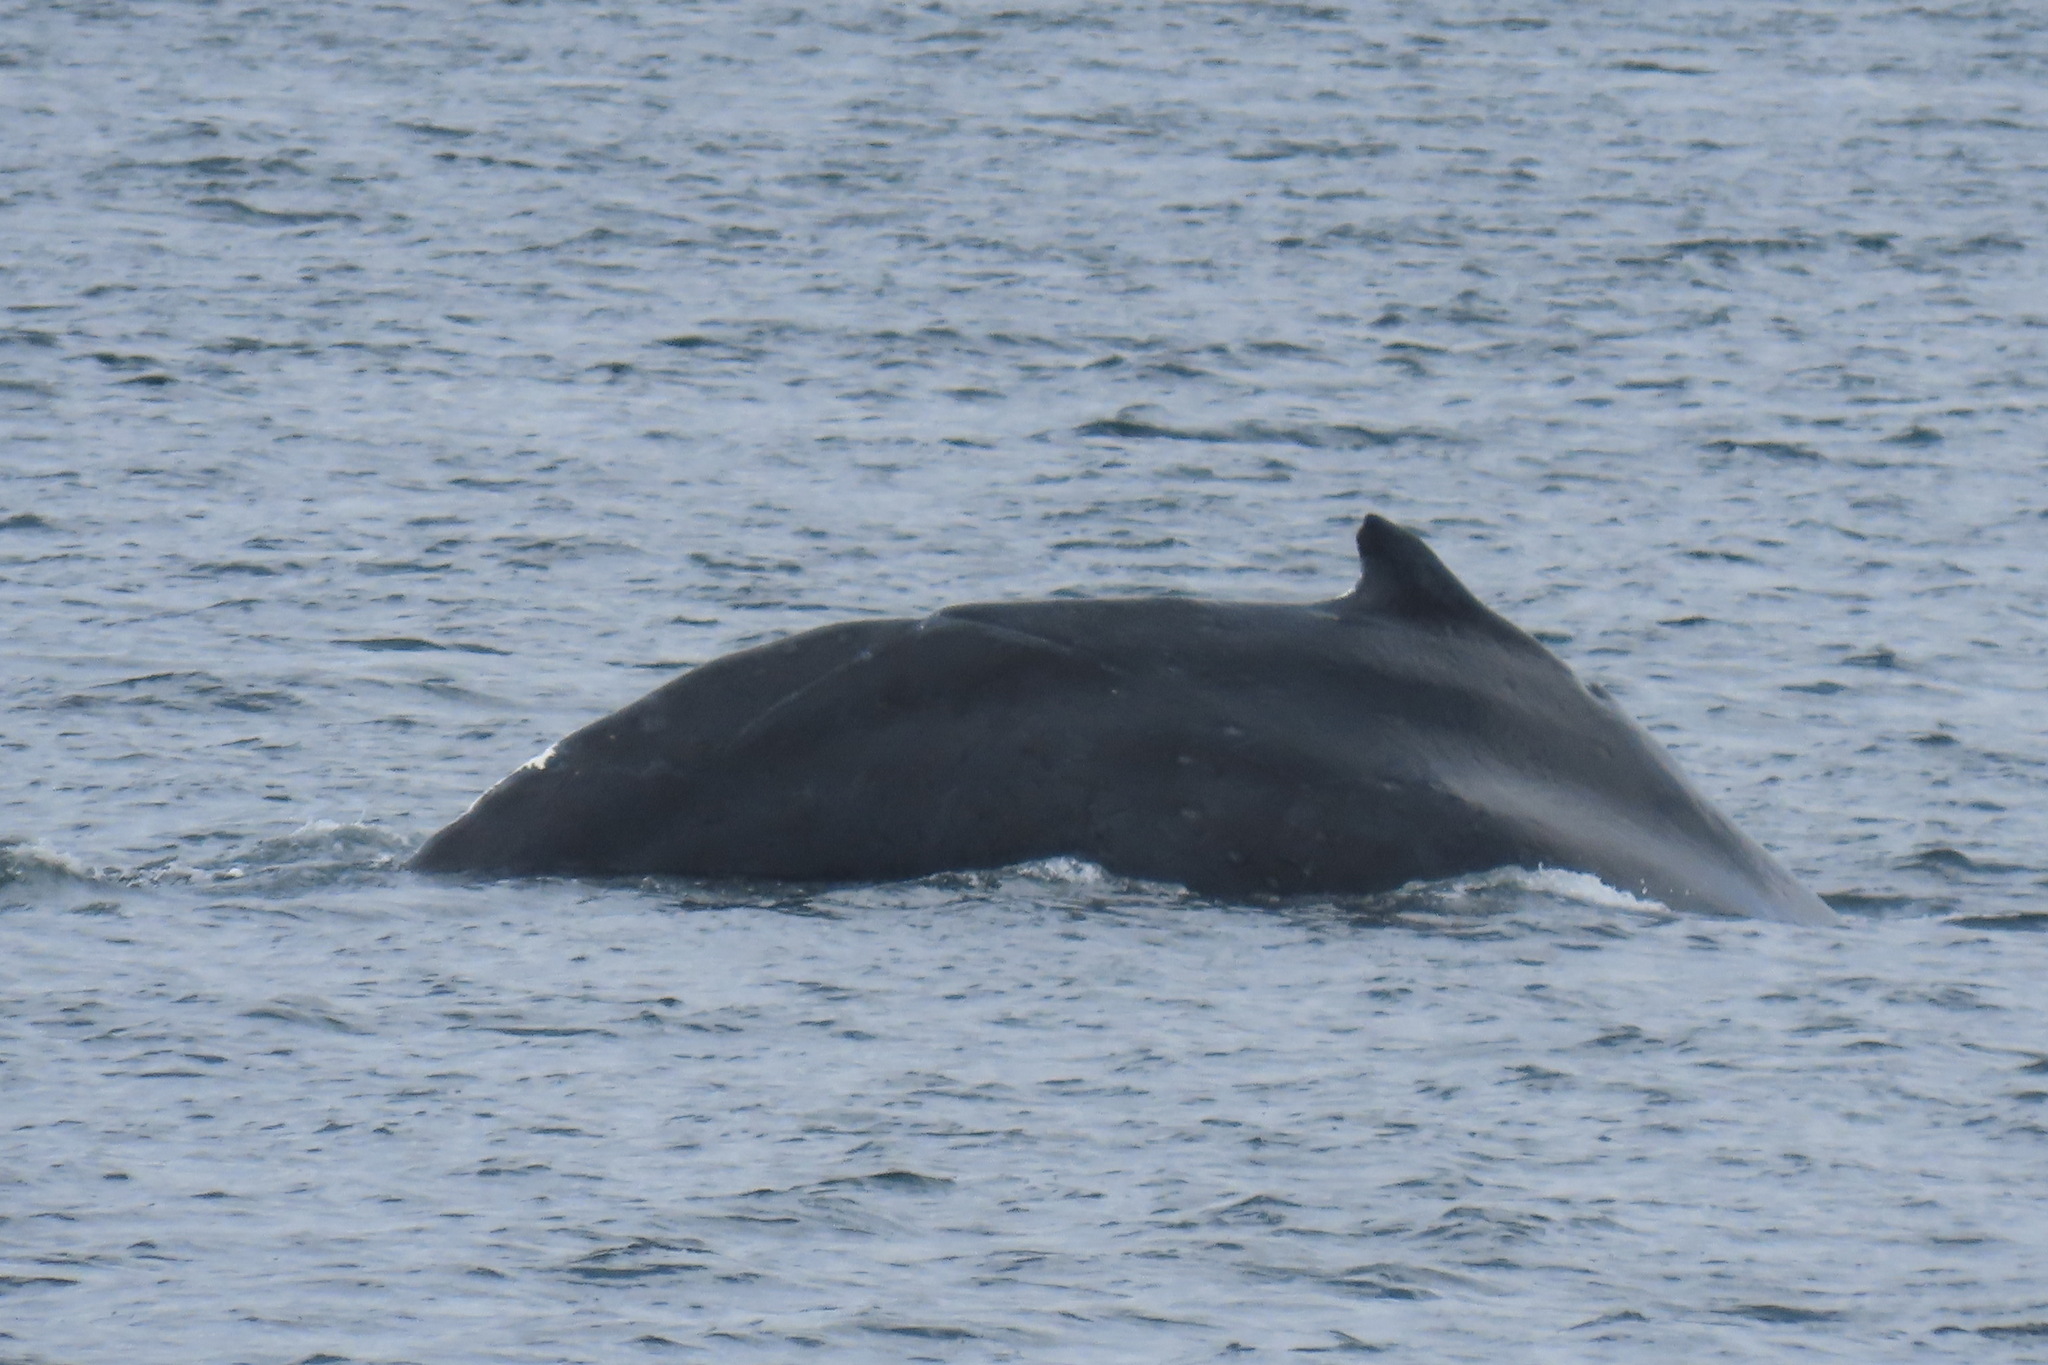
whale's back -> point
(1400, 733)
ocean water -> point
(387, 389)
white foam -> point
(21, 860)
(1584, 888)
(1064, 869)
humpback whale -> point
(1400, 733)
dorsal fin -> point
(1401, 576)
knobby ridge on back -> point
(1403, 732)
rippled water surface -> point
(386, 390)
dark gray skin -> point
(1401, 733)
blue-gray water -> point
(386, 390)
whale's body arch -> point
(1399, 733)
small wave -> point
(368, 845)
(1779, 1314)
(897, 1182)
(436, 130)
(922, 1331)
(1722, 249)
(641, 1258)
(1310, 435)
(34, 865)
(1777, 450)
(177, 691)
(408, 643)
(321, 853)
(1582, 887)
(1393, 1280)
(1484, 901)
(1282, 149)
(1063, 872)
(2025, 922)
(1953, 862)
(1974, 246)
(235, 211)
(1661, 69)
(310, 1011)
(231, 568)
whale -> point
(1404, 732)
